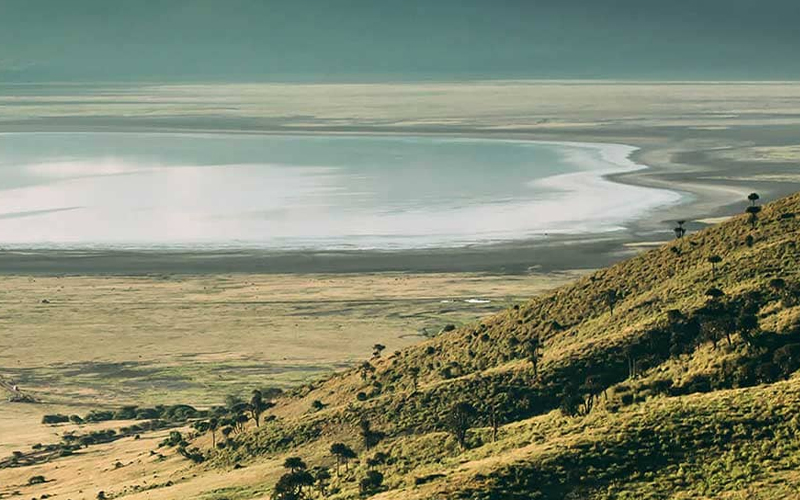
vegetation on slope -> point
(669, 372)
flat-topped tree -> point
(377, 349)
(370, 436)
(494, 416)
(234, 404)
(211, 425)
(290, 485)
(343, 454)
(753, 212)
(294, 464)
(714, 260)
(787, 357)
(371, 483)
(200, 426)
(632, 353)
(227, 431)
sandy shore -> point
(713, 142)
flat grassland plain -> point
(104, 341)
(79, 343)
(80, 338)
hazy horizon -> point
(414, 40)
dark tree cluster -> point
(295, 483)
(230, 420)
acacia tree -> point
(294, 464)
(258, 406)
(716, 321)
(747, 324)
(778, 286)
(201, 426)
(226, 432)
(713, 327)
(211, 425)
(611, 298)
(459, 421)
(714, 260)
(290, 485)
(679, 229)
(495, 416)
(371, 437)
(234, 404)
(321, 478)
(591, 389)
(414, 373)
(239, 421)
(787, 358)
(494, 421)
(377, 349)
(571, 400)
(533, 351)
(371, 483)
(343, 454)
(377, 459)
(753, 212)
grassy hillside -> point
(671, 374)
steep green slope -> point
(666, 374)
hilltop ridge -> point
(639, 368)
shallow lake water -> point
(158, 190)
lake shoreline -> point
(678, 159)
(308, 193)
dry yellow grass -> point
(79, 350)
(104, 340)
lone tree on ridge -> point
(714, 260)
(679, 229)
